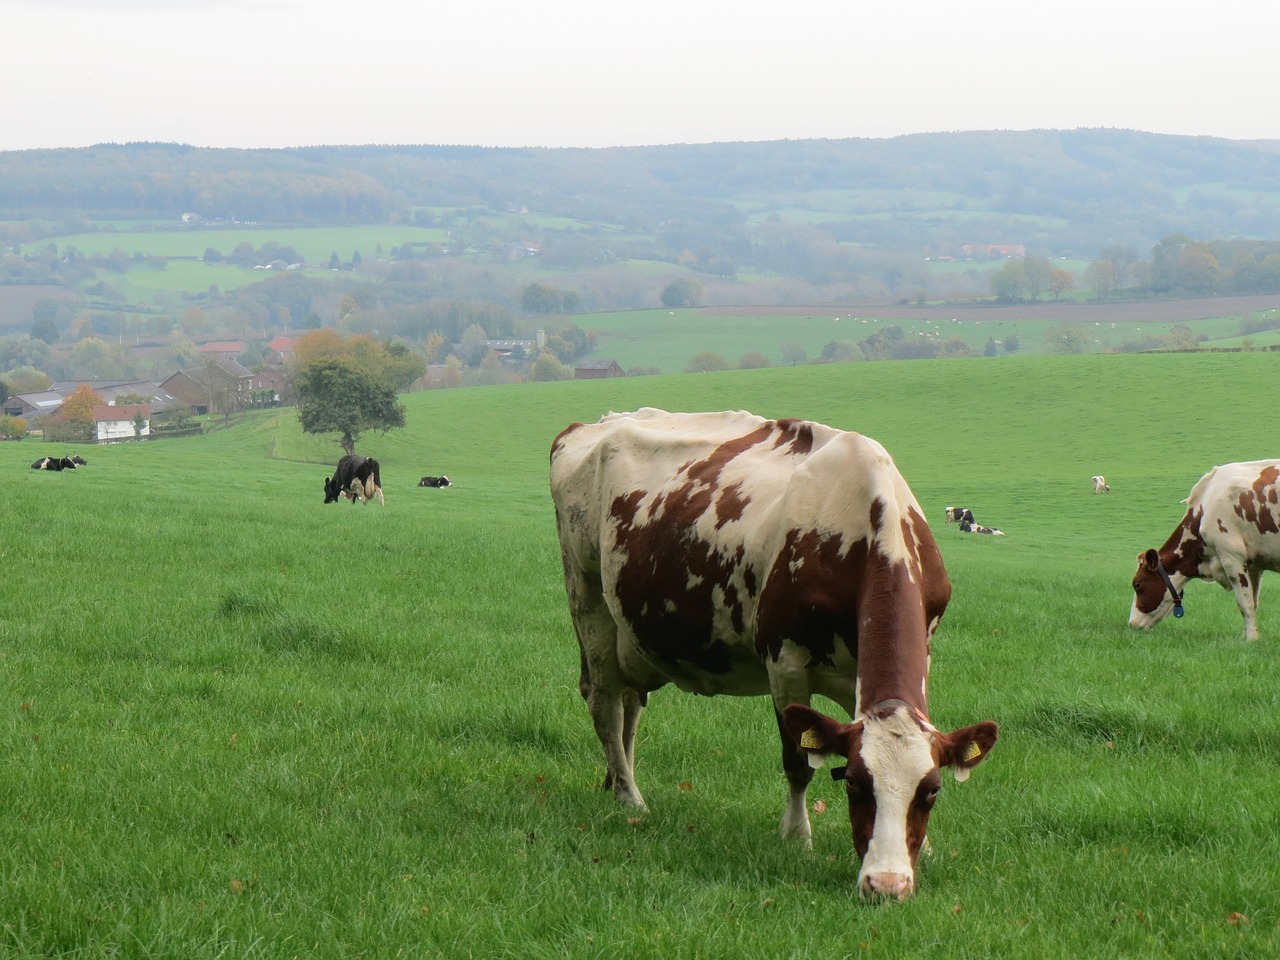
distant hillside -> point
(1058, 193)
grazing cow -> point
(958, 514)
(729, 554)
(1230, 534)
(1100, 484)
(355, 478)
(435, 482)
(968, 526)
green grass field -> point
(239, 723)
(669, 339)
(313, 243)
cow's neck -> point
(891, 670)
(1183, 553)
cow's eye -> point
(1136, 586)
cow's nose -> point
(896, 885)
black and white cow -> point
(968, 526)
(728, 554)
(958, 515)
(1100, 484)
(355, 478)
(57, 463)
(435, 482)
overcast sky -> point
(591, 73)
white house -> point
(121, 422)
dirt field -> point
(1121, 311)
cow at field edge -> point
(958, 514)
(355, 478)
(435, 482)
(1100, 484)
(1230, 534)
(729, 554)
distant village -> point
(144, 409)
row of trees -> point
(1179, 266)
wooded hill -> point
(1058, 193)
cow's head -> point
(332, 490)
(892, 778)
(1155, 592)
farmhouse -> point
(221, 387)
(223, 349)
(121, 422)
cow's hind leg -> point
(614, 706)
(615, 712)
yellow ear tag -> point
(973, 752)
(809, 740)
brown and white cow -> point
(1100, 484)
(1230, 534)
(729, 554)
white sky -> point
(592, 73)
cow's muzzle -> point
(886, 886)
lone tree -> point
(335, 395)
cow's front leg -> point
(795, 763)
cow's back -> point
(714, 537)
(1239, 507)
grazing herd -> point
(729, 554)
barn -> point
(597, 370)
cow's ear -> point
(1151, 558)
(818, 735)
(962, 750)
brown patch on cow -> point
(561, 437)
(672, 585)
(1252, 506)
(797, 434)
(821, 591)
(808, 596)
(731, 504)
(624, 508)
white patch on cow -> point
(897, 754)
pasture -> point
(239, 723)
